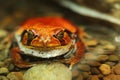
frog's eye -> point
(59, 35)
(27, 36)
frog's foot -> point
(72, 61)
(22, 64)
(18, 60)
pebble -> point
(112, 77)
(2, 57)
(48, 71)
(110, 47)
(104, 49)
(116, 69)
(2, 64)
(102, 58)
(107, 45)
(3, 33)
(110, 63)
(100, 76)
(104, 42)
(98, 51)
(93, 77)
(80, 77)
(105, 69)
(3, 70)
(75, 73)
(85, 74)
(8, 61)
(83, 67)
(11, 67)
(94, 63)
(90, 56)
(3, 78)
(91, 43)
(15, 76)
(95, 71)
(113, 58)
(90, 62)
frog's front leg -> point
(18, 61)
(78, 55)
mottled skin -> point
(48, 37)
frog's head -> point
(45, 37)
(46, 33)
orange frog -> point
(48, 37)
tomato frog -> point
(48, 37)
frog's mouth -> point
(44, 52)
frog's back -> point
(47, 22)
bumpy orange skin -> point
(44, 30)
(41, 27)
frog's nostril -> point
(45, 39)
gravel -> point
(101, 60)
